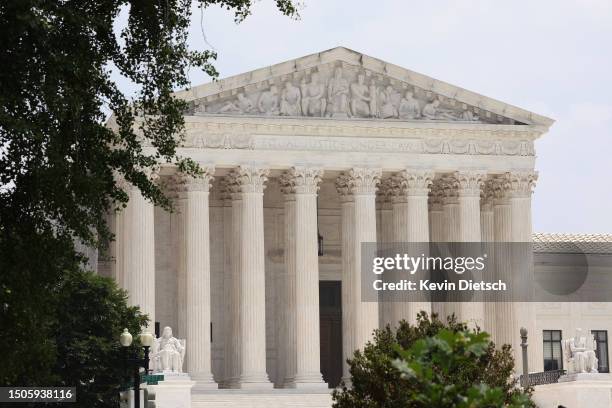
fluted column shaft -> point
(437, 231)
(520, 191)
(288, 308)
(452, 228)
(348, 296)
(487, 233)
(139, 253)
(251, 182)
(197, 278)
(505, 316)
(233, 340)
(230, 289)
(385, 234)
(410, 210)
(304, 184)
(362, 184)
(468, 185)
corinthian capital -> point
(385, 190)
(364, 180)
(521, 183)
(343, 187)
(201, 182)
(449, 187)
(250, 179)
(414, 182)
(469, 182)
(487, 195)
(301, 180)
(436, 195)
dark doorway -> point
(330, 309)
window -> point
(552, 350)
(601, 338)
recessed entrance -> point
(330, 309)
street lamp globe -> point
(146, 338)
(126, 338)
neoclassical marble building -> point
(304, 160)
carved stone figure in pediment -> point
(433, 111)
(242, 104)
(313, 96)
(268, 101)
(338, 95)
(360, 106)
(469, 116)
(409, 107)
(390, 103)
(290, 104)
(374, 96)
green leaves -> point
(432, 364)
(59, 161)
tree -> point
(91, 314)
(59, 163)
(432, 363)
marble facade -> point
(338, 144)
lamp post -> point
(525, 360)
(146, 340)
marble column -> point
(411, 220)
(348, 298)
(232, 235)
(451, 221)
(196, 242)
(251, 183)
(138, 269)
(287, 309)
(469, 185)
(504, 328)
(362, 183)
(384, 235)
(437, 230)
(303, 270)
(512, 222)
(487, 233)
(521, 185)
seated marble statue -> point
(390, 102)
(579, 354)
(167, 353)
(268, 101)
(409, 107)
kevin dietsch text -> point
(404, 263)
(446, 286)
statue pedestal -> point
(593, 390)
(174, 391)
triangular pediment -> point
(344, 84)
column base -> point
(204, 381)
(231, 383)
(307, 381)
(254, 381)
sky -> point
(552, 57)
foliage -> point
(91, 313)
(59, 162)
(432, 363)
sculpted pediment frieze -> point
(340, 90)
